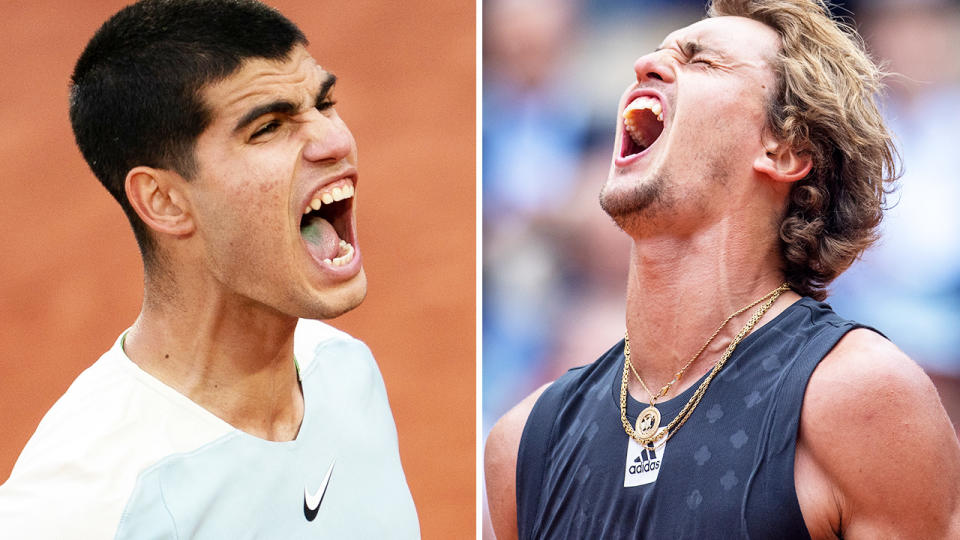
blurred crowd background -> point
(555, 266)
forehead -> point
(258, 81)
(736, 37)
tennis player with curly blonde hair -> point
(750, 167)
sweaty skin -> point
(702, 205)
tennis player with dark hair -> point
(220, 413)
(749, 169)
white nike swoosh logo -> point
(313, 501)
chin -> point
(622, 199)
(336, 301)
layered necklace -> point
(647, 431)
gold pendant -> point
(648, 422)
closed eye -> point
(325, 104)
(325, 95)
(267, 128)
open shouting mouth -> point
(327, 226)
(642, 125)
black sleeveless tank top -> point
(726, 473)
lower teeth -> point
(346, 255)
(630, 122)
(635, 135)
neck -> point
(228, 354)
(679, 291)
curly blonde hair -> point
(825, 104)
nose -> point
(328, 139)
(654, 66)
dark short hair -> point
(135, 93)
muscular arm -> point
(500, 466)
(876, 454)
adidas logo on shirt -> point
(643, 464)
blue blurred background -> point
(554, 265)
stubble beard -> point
(628, 207)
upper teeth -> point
(631, 112)
(330, 194)
(643, 102)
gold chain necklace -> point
(648, 422)
(651, 415)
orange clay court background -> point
(70, 277)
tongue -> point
(321, 238)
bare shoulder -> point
(504, 438)
(500, 466)
(876, 438)
(867, 381)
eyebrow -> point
(691, 48)
(326, 87)
(284, 106)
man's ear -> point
(157, 195)
(781, 162)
